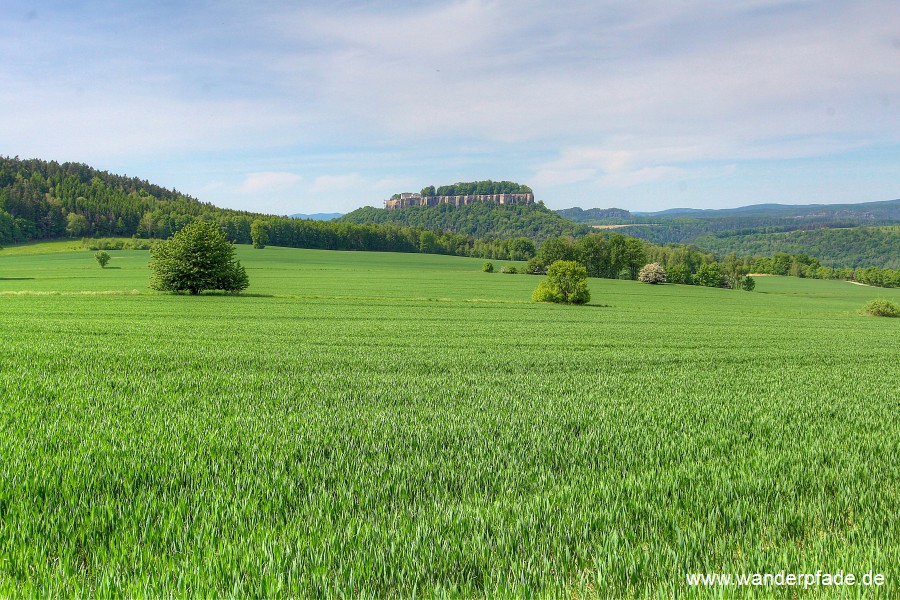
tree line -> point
(615, 256)
(477, 188)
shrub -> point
(197, 258)
(488, 267)
(882, 308)
(536, 266)
(566, 282)
(115, 244)
(510, 270)
(545, 293)
(653, 273)
(748, 284)
(102, 258)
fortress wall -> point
(407, 200)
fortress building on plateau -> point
(412, 199)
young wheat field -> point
(382, 425)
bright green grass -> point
(384, 424)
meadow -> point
(374, 425)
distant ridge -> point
(883, 209)
(882, 212)
(317, 216)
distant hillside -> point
(598, 216)
(533, 221)
(686, 223)
(851, 247)
(862, 212)
(45, 199)
(317, 216)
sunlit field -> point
(375, 425)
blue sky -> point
(285, 107)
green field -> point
(365, 424)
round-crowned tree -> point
(710, 275)
(652, 273)
(566, 282)
(197, 258)
(102, 259)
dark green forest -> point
(846, 247)
(479, 219)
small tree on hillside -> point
(652, 273)
(566, 282)
(197, 258)
(259, 234)
(678, 273)
(536, 266)
(733, 271)
(76, 225)
(102, 258)
(710, 275)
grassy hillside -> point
(376, 424)
(480, 220)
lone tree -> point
(652, 273)
(197, 258)
(566, 283)
(102, 258)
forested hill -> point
(851, 247)
(45, 199)
(843, 235)
(480, 220)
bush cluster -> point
(115, 244)
(882, 308)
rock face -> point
(406, 200)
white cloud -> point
(397, 95)
(268, 181)
(336, 183)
